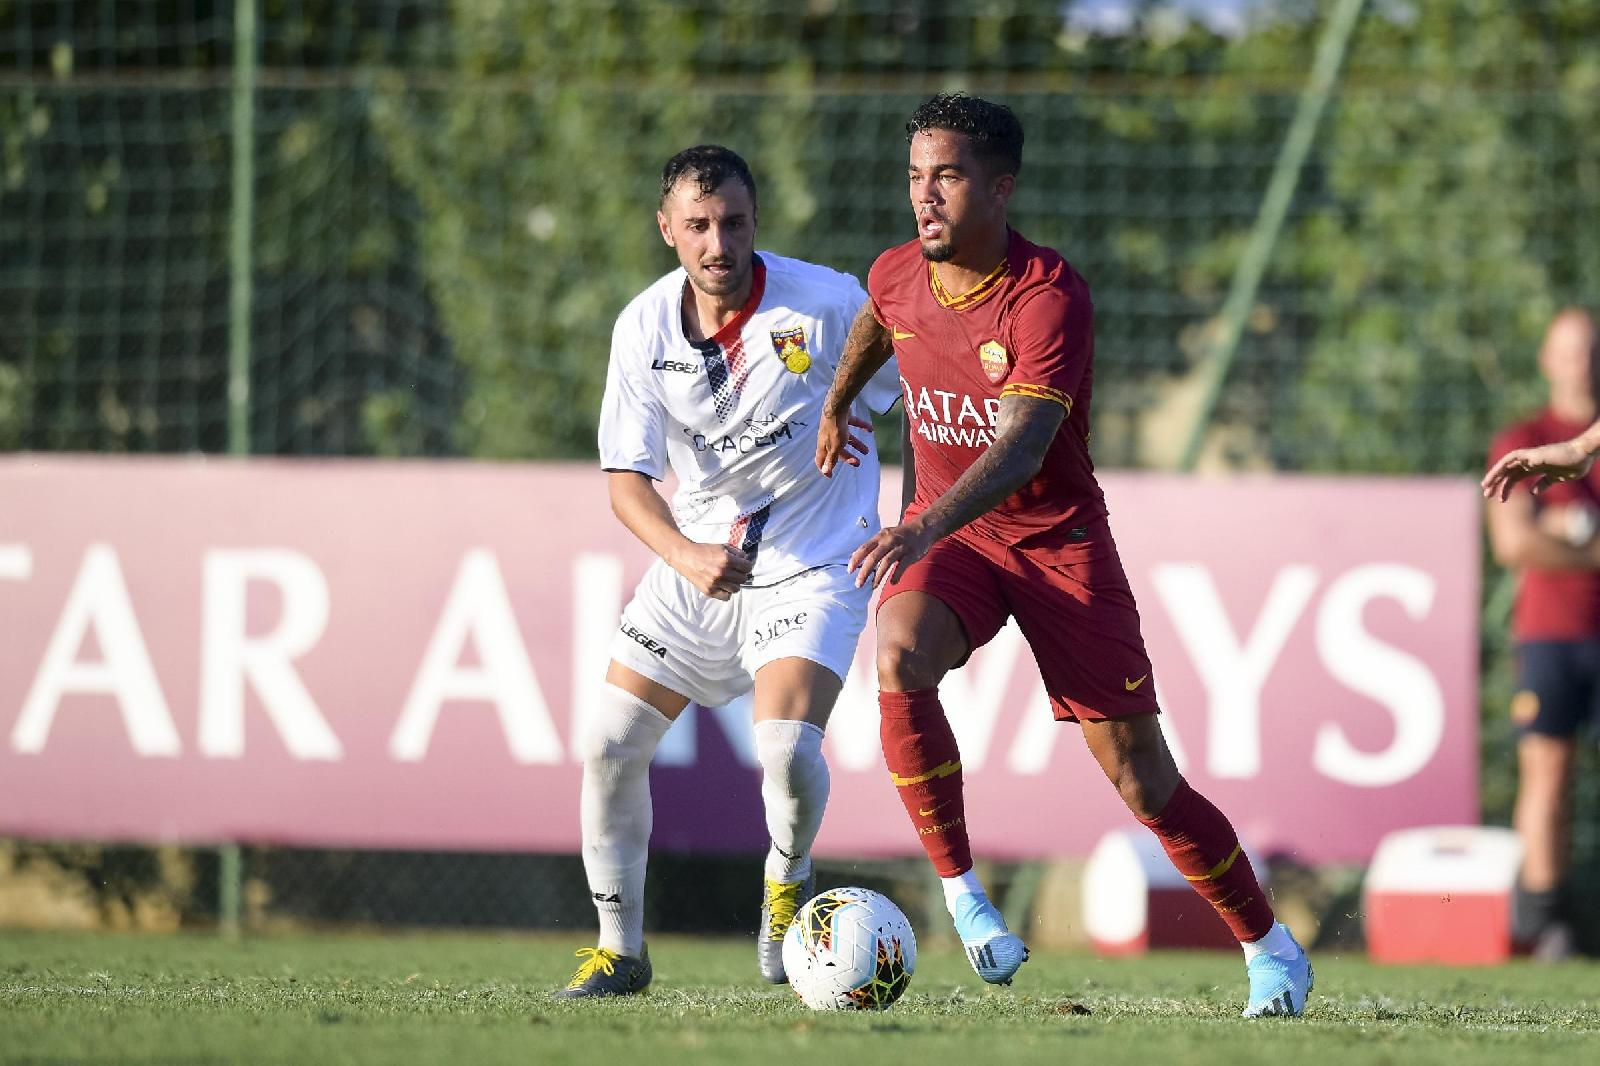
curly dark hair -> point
(996, 134)
(708, 166)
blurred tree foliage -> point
(453, 200)
(536, 168)
(1448, 231)
(115, 199)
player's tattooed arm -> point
(715, 569)
(1023, 431)
(866, 349)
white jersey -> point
(735, 417)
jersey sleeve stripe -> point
(1038, 392)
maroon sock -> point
(1203, 846)
(925, 765)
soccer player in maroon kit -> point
(1550, 541)
(994, 336)
(1550, 460)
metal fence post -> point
(1269, 219)
(241, 222)
(230, 879)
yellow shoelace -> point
(598, 959)
(782, 902)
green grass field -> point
(107, 998)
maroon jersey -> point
(1027, 329)
(1553, 604)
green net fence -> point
(449, 203)
(445, 204)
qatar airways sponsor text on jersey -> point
(735, 417)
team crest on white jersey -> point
(790, 344)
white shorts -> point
(710, 650)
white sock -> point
(961, 885)
(1277, 942)
(794, 790)
(618, 742)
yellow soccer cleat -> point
(779, 903)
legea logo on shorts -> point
(645, 641)
(779, 627)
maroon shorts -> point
(1079, 618)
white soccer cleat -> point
(995, 952)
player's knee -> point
(787, 749)
(608, 756)
(1145, 786)
(621, 738)
(794, 775)
(903, 666)
(1140, 798)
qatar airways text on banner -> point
(399, 654)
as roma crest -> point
(996, 364)
(790, 344)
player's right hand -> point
(715, 569)
(834, 441)
(887, 555)
(1565, 461)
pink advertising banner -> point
(395, 655)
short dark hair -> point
(996, 134)
(708, 166)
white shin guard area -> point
(617, 746)
(794, 791)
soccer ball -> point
(849, 949)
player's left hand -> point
(834, 442)
(886, 555)
(1550, 463)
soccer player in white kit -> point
(718, 371)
